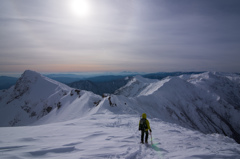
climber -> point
(144, 126)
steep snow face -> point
(209, 102)
(35, 96)
(139, 86)
(225, 86)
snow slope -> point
(140, 86)
(112, 136)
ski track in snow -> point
(112, 136)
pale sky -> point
(119, 35)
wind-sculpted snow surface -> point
(112, 136)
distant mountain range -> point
(110, 83)
(98, 84)
(102, 84)
(7, 82)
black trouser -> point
(142, 136)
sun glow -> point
(80, 7)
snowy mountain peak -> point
(35, 96)
(24, 82)
(32, 78)
(142, 79)
(139, 86)
(30, 73)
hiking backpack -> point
(143, 124)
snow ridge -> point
(140, 86)
(208, 102)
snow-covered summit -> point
(39, 86)
(35, 96)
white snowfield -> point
(112, 136)
(53, 120)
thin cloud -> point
(122, 35)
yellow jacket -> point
(144, 116)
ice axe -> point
(151, 137)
